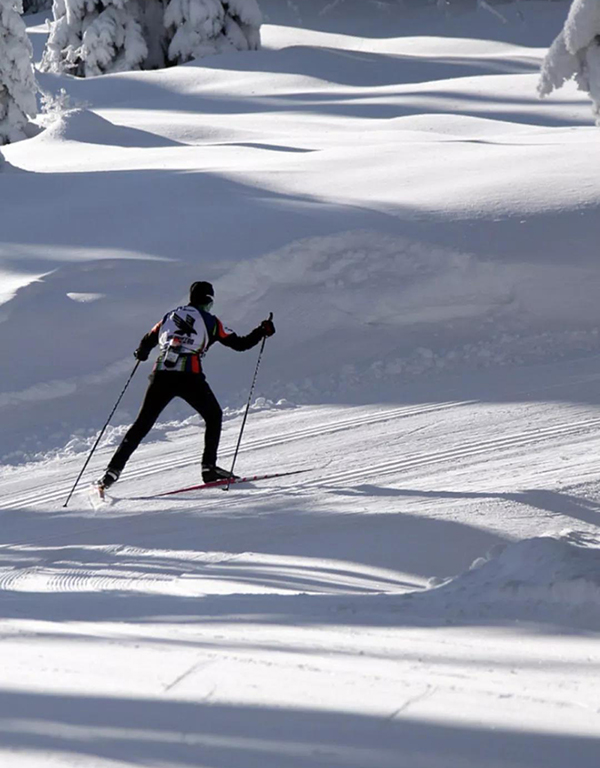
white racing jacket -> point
(194, 330)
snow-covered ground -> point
(425, 232)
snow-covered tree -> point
(94, 37)
(17, 81)
(575, 54)
(200, 28)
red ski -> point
(235, 481)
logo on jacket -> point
(185, 327)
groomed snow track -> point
(404, 460)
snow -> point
(559, 572)
(424, 230)
(311, 622)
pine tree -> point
(200, 28)
(17, 81)
(575, 54)
(94, 37)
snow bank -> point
(536, 577)
(406, 308)
(82, 440)
(81, 125)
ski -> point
(235, 481)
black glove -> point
(267, 327)
(141, 354)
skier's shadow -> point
(586, 510)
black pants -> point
(164, 386)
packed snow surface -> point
(424, 229)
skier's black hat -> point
(201, 293)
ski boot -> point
(211, 473)
(108, 478)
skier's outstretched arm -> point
(242, 343)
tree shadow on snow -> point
(369, 69)
(317, 568)
(342, 68)
(281, 548)
(582, 509)
(144, 731)
(329, 552)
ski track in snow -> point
(527, 439)
(185, 458)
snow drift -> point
(542, 578)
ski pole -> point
(87, 461)
(237, 447)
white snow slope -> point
(425, 232)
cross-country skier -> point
(184, 336)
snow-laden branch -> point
(575, 54)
